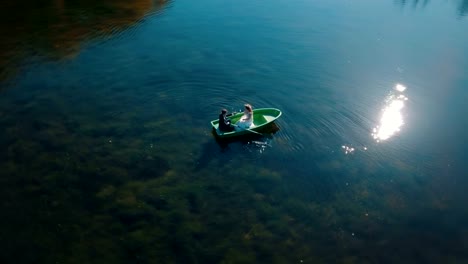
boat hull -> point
(261, 118)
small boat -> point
(261, 118)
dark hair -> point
(223, 111)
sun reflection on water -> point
(392, 118)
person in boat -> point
(224, 122)
(247, 119)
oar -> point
(255, 132)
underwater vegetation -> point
(76, 189)
(80, 185)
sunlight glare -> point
(392, 118)
(400, 87)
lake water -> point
(108, 155)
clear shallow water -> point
(109, 156)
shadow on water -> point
(211, 150)
(266, 132)
(55, 29)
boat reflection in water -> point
(392, 118)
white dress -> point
(245, 122)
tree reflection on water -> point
(463, 8)
(57, 28)
(462, 5)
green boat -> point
(261, 118)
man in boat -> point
(224, 122)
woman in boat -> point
(224, 122)
(247, 119)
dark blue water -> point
(108, 154)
